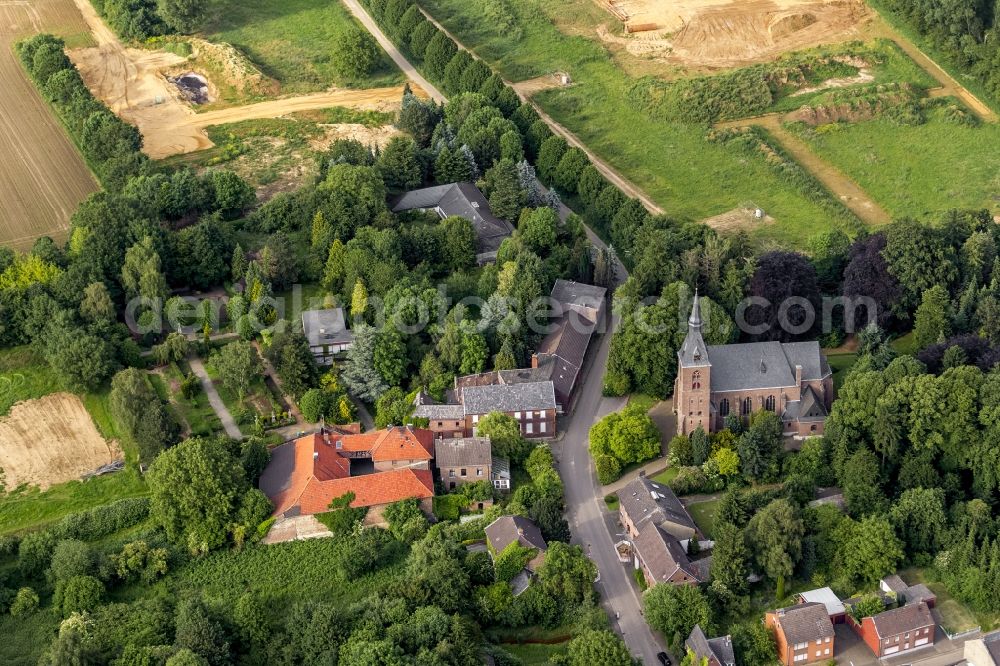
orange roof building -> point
(305, 475)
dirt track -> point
(51, 440)
(843, 188)
(132, 83)
(42, 176)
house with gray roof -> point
(645, 501)
(896, 631)
(661, 558)
(506, 530)
(531, 403)
(714, 651)
(463, 460)
(327, 334)
(462, 200)
(792, 380)
(804, 634)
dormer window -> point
(697, 353)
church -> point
(793, 380)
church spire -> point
(694, 321)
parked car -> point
(664, 658)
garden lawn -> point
(258, 400)
(197, 414)
(666, 476)
(841, 364)
(704, 515)
(906, 344)
(291, 41)
(536, 653)
(918, 171)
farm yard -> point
(42, 176)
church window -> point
(769, 403)
(724, 407)
(747, 406)
(695, 380)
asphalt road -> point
(587, 513)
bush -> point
(608, 469)
(355, 54)
(25, 602)
(690, 480)
(78, 594)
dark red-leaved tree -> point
(785, 278)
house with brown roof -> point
(643, 501)
(379, 468)
(662, 559)
(463, 460)
(898, 630)
(803, 633)
(711, 651)
(905, 593)
(531, 403)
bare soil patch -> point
(42, 176)
(51, 440)
(730, 33)
(744, 217)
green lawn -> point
(32, 508)
(666, 476)
(646, 402)
(906, 344)
(536, 653)
(690, 177)
(915, 170)
(841, 364)
(704, 515)
(291, 41)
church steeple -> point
(693, 351)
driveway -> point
(228, 422)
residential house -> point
(803, 633)
(898, 630)
(645, 501)
(906, 594)
(380, 467)
(444, 420)
(984, 650)
(662, 559)
(506, 530)
(578, 313)
(793, 380)
(327, 334)
(713, 651)
(462, 200)
(531, 404)
(463, 460)
(824, 595)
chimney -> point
(798, 375)
(534, 360)
(520, 531)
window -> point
(827, 640)
(541, 427)
(451, 474)
(475, 418)
(479, 471)
(746, 407)
(439, 424)
(802, 657)
(802, 646)
(463, 472)
(826, 651)
(724, 407)
(517, 415)
(530, 428)
(769, 403)
(696, 380)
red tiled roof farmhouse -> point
(310, 472)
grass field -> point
(841, 364)
(704, 515)
(291, 41)
(531, 654)
(666, 476)
(675, 165)
(915, 170)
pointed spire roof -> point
(694, 352)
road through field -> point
(42, 176)
(843, 188)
